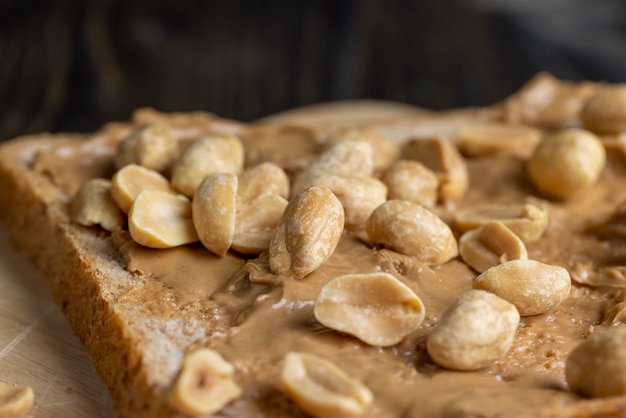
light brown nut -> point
(358, 195)
(308, 232)
(477, 329)
(322, 389)
(412, 181)
(441, 156)
(262, 180)
(346, 158)
(526, 220)
(152, 146)
(597, 367)
(214, 211)
(533, 287)
(256, 223)
(15, 401)
(605, 111)
(376, 308)
(385, 151)
(205, 384)
(411, 229)
(495, 138)
(206, 156)
(490, 245)
(159, 219)
(93, 205)
(566, 162)
(131, 180)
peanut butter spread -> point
(254, 318)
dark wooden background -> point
(74, 64)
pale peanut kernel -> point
(206, 156)
(441, 156)
(531, 286)
(262, 180)
(605, 111)
(489, 245)
(15, 401)
(527, 221)
(308, 232)
(476, 140)
(385, 151)
(566, 162)
(477, 329)
(205, 384)
(131, 180)
(93, 205)
(159, 219)
(411, 229)
(214, 211)
(376, 308)
(597, 367)
(256, 223)
(152, 146)
(412, 181)
(322, 389)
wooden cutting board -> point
(38, 349)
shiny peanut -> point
(256, 223)
(131, 180)
(489, 245)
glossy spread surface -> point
(253, 318)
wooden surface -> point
(38, 349)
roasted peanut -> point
(531, 286)
(256, 222)
(322, 389)
(477, 329)
(205, 384)
(566, 162)
(597, 367)
(359, 196)
(412, 181)
(159, 219)
(605, 111)
(527, 221)
(476, 140)
(131, 180)
(93, 205)
(441, 156)
(214, 211)
(308, 232)
(385, 151)
(206, 156)
(262, 180)
(411, 229)
(489, 245)
(15, 401)
(152, 146)
(376, 308)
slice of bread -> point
(138, 327)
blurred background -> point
(71, 65)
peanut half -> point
(376, 308)
(494, 138)
(152, 146)
(322, 389)
(385, 151)
(205, 384)
(477, 329)
(412, 181)
(411, 229)
(533, 287)
(255, 224)
(527, 221)
(214, 211)
(131, 180)
(597, 367)
(566, 162)
(93, 205)
(206, 156)
(15, 401)
(489, 245)
(308, 232)
(159, 219)
(262, 180)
